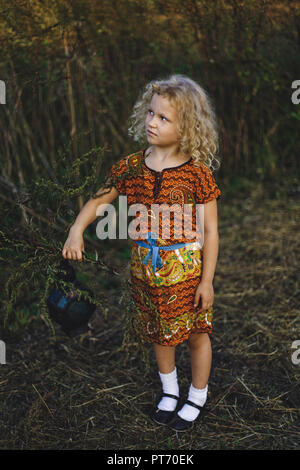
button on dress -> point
(164, 298)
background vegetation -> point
(73, 70)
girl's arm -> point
(211, 241)
(74, 245)
(210, 255)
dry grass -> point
(61, 393)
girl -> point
(171, 275)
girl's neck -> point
(165, 156)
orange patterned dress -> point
(164, 298)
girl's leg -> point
(201, 358)
(165, 358)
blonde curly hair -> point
(198, 128)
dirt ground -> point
(87, 393)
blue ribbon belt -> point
(154, 250)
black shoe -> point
(162, 416)
(180, 424)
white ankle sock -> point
(169, 385)
(197, 396)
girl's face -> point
(161, 123)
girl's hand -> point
(204, 290)
(74, 246)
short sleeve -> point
(117, 176)
(206, 186)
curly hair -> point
(198, 130)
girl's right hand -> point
(74, 246)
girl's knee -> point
(197, 340)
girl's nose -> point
(152, 122)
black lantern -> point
(67, 309)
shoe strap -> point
(188, 402)
(170, 396)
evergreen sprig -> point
(31, 257)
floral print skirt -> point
(164, 300)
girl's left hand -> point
(204, 290)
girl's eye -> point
(151, 112)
